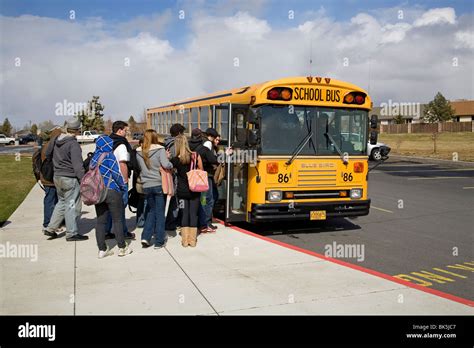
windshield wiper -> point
(300, 147)
(337, 147)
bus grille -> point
(316, 177)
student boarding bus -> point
(299, 147)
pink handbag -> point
(167, 181)
(197, 179)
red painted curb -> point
(358, 268)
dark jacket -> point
(54, 134)
(209, 159)
(67, 156)
(183, 186)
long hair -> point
(150, 137)
(183, 151)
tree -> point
(399, 119)
(108, 126)
(438, 110)
(6, 127)
(92, 118)
(46, 126)
(34, 129)
(132, 124)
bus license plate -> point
(317, 215)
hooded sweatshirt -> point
(109, 167)
(151, 177)
(67, 156)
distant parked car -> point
(378, 151)
(25, 139)
(137, 135)
(4, 140)
(88, 137)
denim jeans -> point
(108, 227)
(205, 210)
(141, 211)
(49, 202)
(155, 215)
(69, 204)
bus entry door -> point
(237, 164)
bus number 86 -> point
(283, 178)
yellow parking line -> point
(384, 210)
(442, 177)
(468, 188)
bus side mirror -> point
(373, 121)
(373, 137)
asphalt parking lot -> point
(12, 149)
(420, 227)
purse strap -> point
(193, 161)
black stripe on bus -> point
(195, 100)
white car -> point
(378, 151)
(88, 137)
(6, 140)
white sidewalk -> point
(227, 273)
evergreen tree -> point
(438, 110)
(92, 118)
(34, 129)
(132, 124)
(6, 128)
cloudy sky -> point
(143, 53)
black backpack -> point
(47, 167)
(37, 164)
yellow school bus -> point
(299, 146)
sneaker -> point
(51, 234)
(125, 251)
(208, 230)
(109, 236)
(214, 227)
(77, 237)
(130, 236)
(105, 253)
(156, 247)
(145, 243)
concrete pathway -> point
(227, 273)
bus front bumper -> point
(301, 211)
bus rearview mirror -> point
(373, 137)
(374, 121)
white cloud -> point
(393, 33)
(72, 60)
(465, 39)
(243, 23)
(436, 16)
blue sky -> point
(405, 59)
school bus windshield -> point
(284, 127)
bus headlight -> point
(274, 196)
(356, 193)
